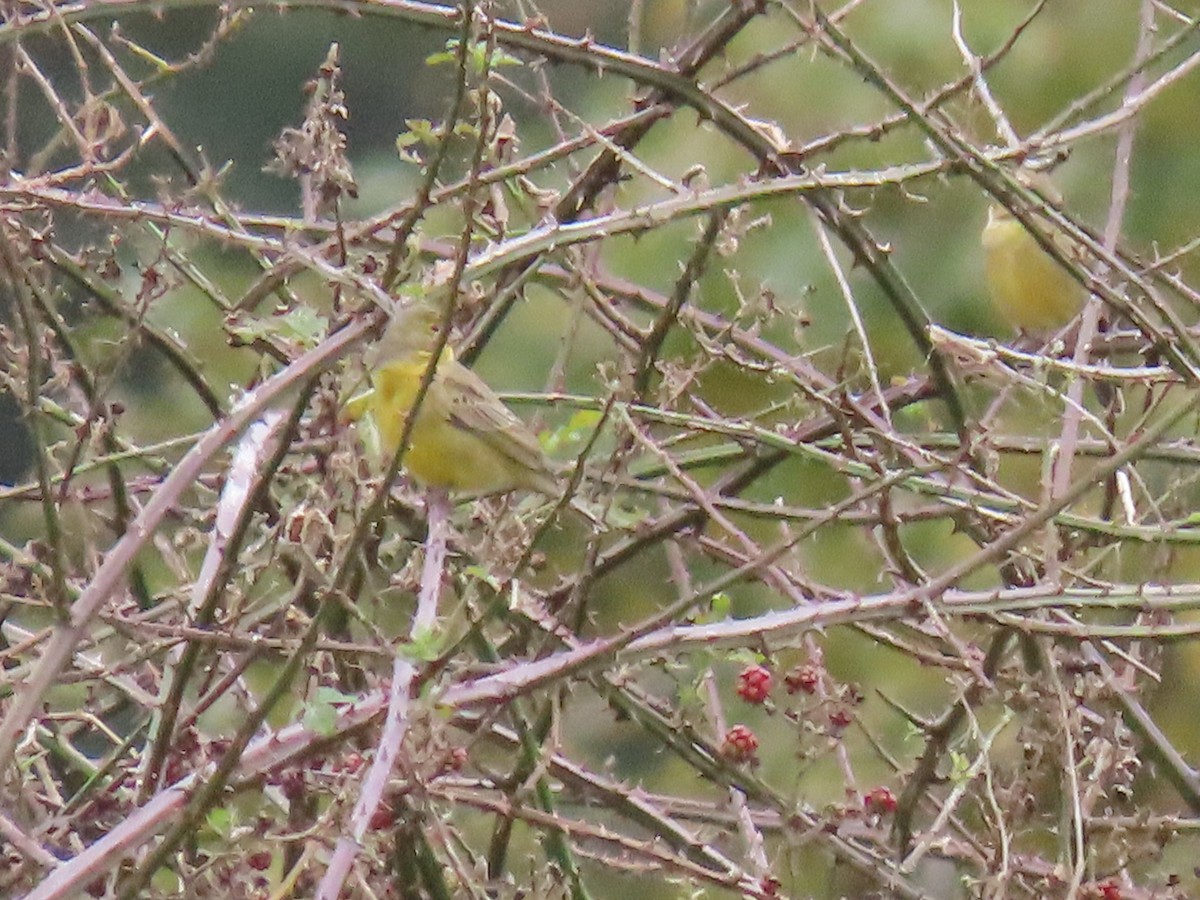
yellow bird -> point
(464, 438)
(1027, 285)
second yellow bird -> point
(464, 439)
(1027, 285)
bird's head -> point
(414, 330)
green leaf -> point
(220, 820)
(440, 58)
(477, 56)
(573, 434)
(304, 325)
(320, 718)
(320, 715)
(960, 767)
(420, 131)
(483, 575)
(745, 657)
(425, 646)
(718, 611)
(623, 515)
(333, 695)
(166, 881)
(501, 57)
(300, 325)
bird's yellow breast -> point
(440, 452)
(395, 390)
(1028, 286)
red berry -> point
(880, 800)
(754, 684)
(383, 817)
(260, 861)
(803, 678)
(740, 743)
(292, 785)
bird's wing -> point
(475, 408)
